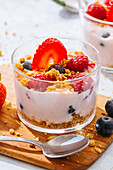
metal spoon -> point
(57, 147)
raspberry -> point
(110, 11)
(2, 94)
(96, 11)
(91, 64)
(83, 84)
(38, 85)
(78, 63)
(50, 50)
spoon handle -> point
(18, 139)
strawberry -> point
(106, 2)
(110, 11)
(2, 94)
(51, 51)
(97, 11)
(39, 85)
(78, 63)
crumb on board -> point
(51, 137)
(92, 143)
(0, 53)
(17, 134)
(31, 145)
(11, 131)
(14, 34)
(98, 150)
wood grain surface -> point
(22, 151)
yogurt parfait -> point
(97, 23)
(56, 81)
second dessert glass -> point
(60, 109)
(99, 33)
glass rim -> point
(48, 81)
(92, 18)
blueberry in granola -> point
(27, 65)
(57, 67)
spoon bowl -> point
(60, 146)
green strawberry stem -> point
(0, 76)
(62, 3)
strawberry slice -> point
(52, 51)
(110, 11)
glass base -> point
(57, 131)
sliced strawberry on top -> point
(110, 11)
(97, 11)
(51, 51)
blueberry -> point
(105, 35)
(104, 126)
(109, 107)
(71, 109)
(58, 67)
(101, 44)
(21, 106)
(27, 65)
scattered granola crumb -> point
(36, 25)
(37, 139)
(105, 77)
(5, 23)
(51, 137)
(78, 162)
(0, 53)
(62, 164)
(14, 34)
(3, 134)
(45, 133)
(28, 57)
(31, 145)
(17, 134)
(102, 88)
(89, 135)
(11, 131)
(92, 143)
(22, 60)
(67, 157)
(5, 122)
(98, 150)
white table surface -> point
(29, 19)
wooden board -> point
(22, 151)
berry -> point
(81, 85)
(105, 35)
(110, 11)
(39, 85)
(91, 64)
(107, 2)
(97, 11)
(78, 63)
(27, 65)
(109, 107)
(51, 51)
(58, 67)
(104, 126)
(2, 94)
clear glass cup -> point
(62, 109)
(99, 33)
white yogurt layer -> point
(53, 107)
(93, 34)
